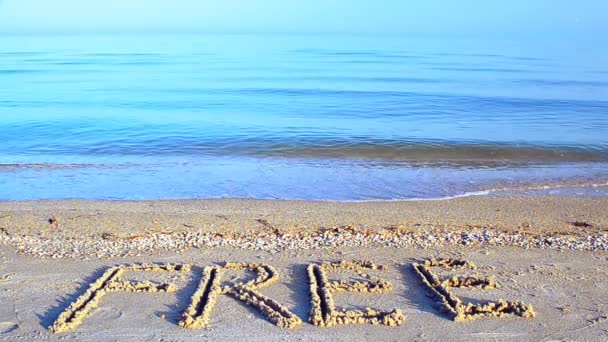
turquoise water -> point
(298, 116)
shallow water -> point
(298, 116)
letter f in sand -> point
(110, 281)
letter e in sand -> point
(324, 312)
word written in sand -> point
(323, 311)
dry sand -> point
(567, 288)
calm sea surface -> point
(300, 116)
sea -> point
(301, 116)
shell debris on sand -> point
(57, 246)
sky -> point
(305, 16)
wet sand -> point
(567, 288)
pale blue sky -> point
(358, 16)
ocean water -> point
(324, 117)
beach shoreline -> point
(106, 229)
(545, 252)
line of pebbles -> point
(109, 246)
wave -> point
(498, 191)
(439, 152)
(480, 69)
(415, 153)
(563, 83)
(62, 166)
(19, 71)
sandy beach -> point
(303, 171)
(548, 253)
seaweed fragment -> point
(582, 224)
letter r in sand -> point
(324, 312)
(198, 313)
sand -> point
(567, 288)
